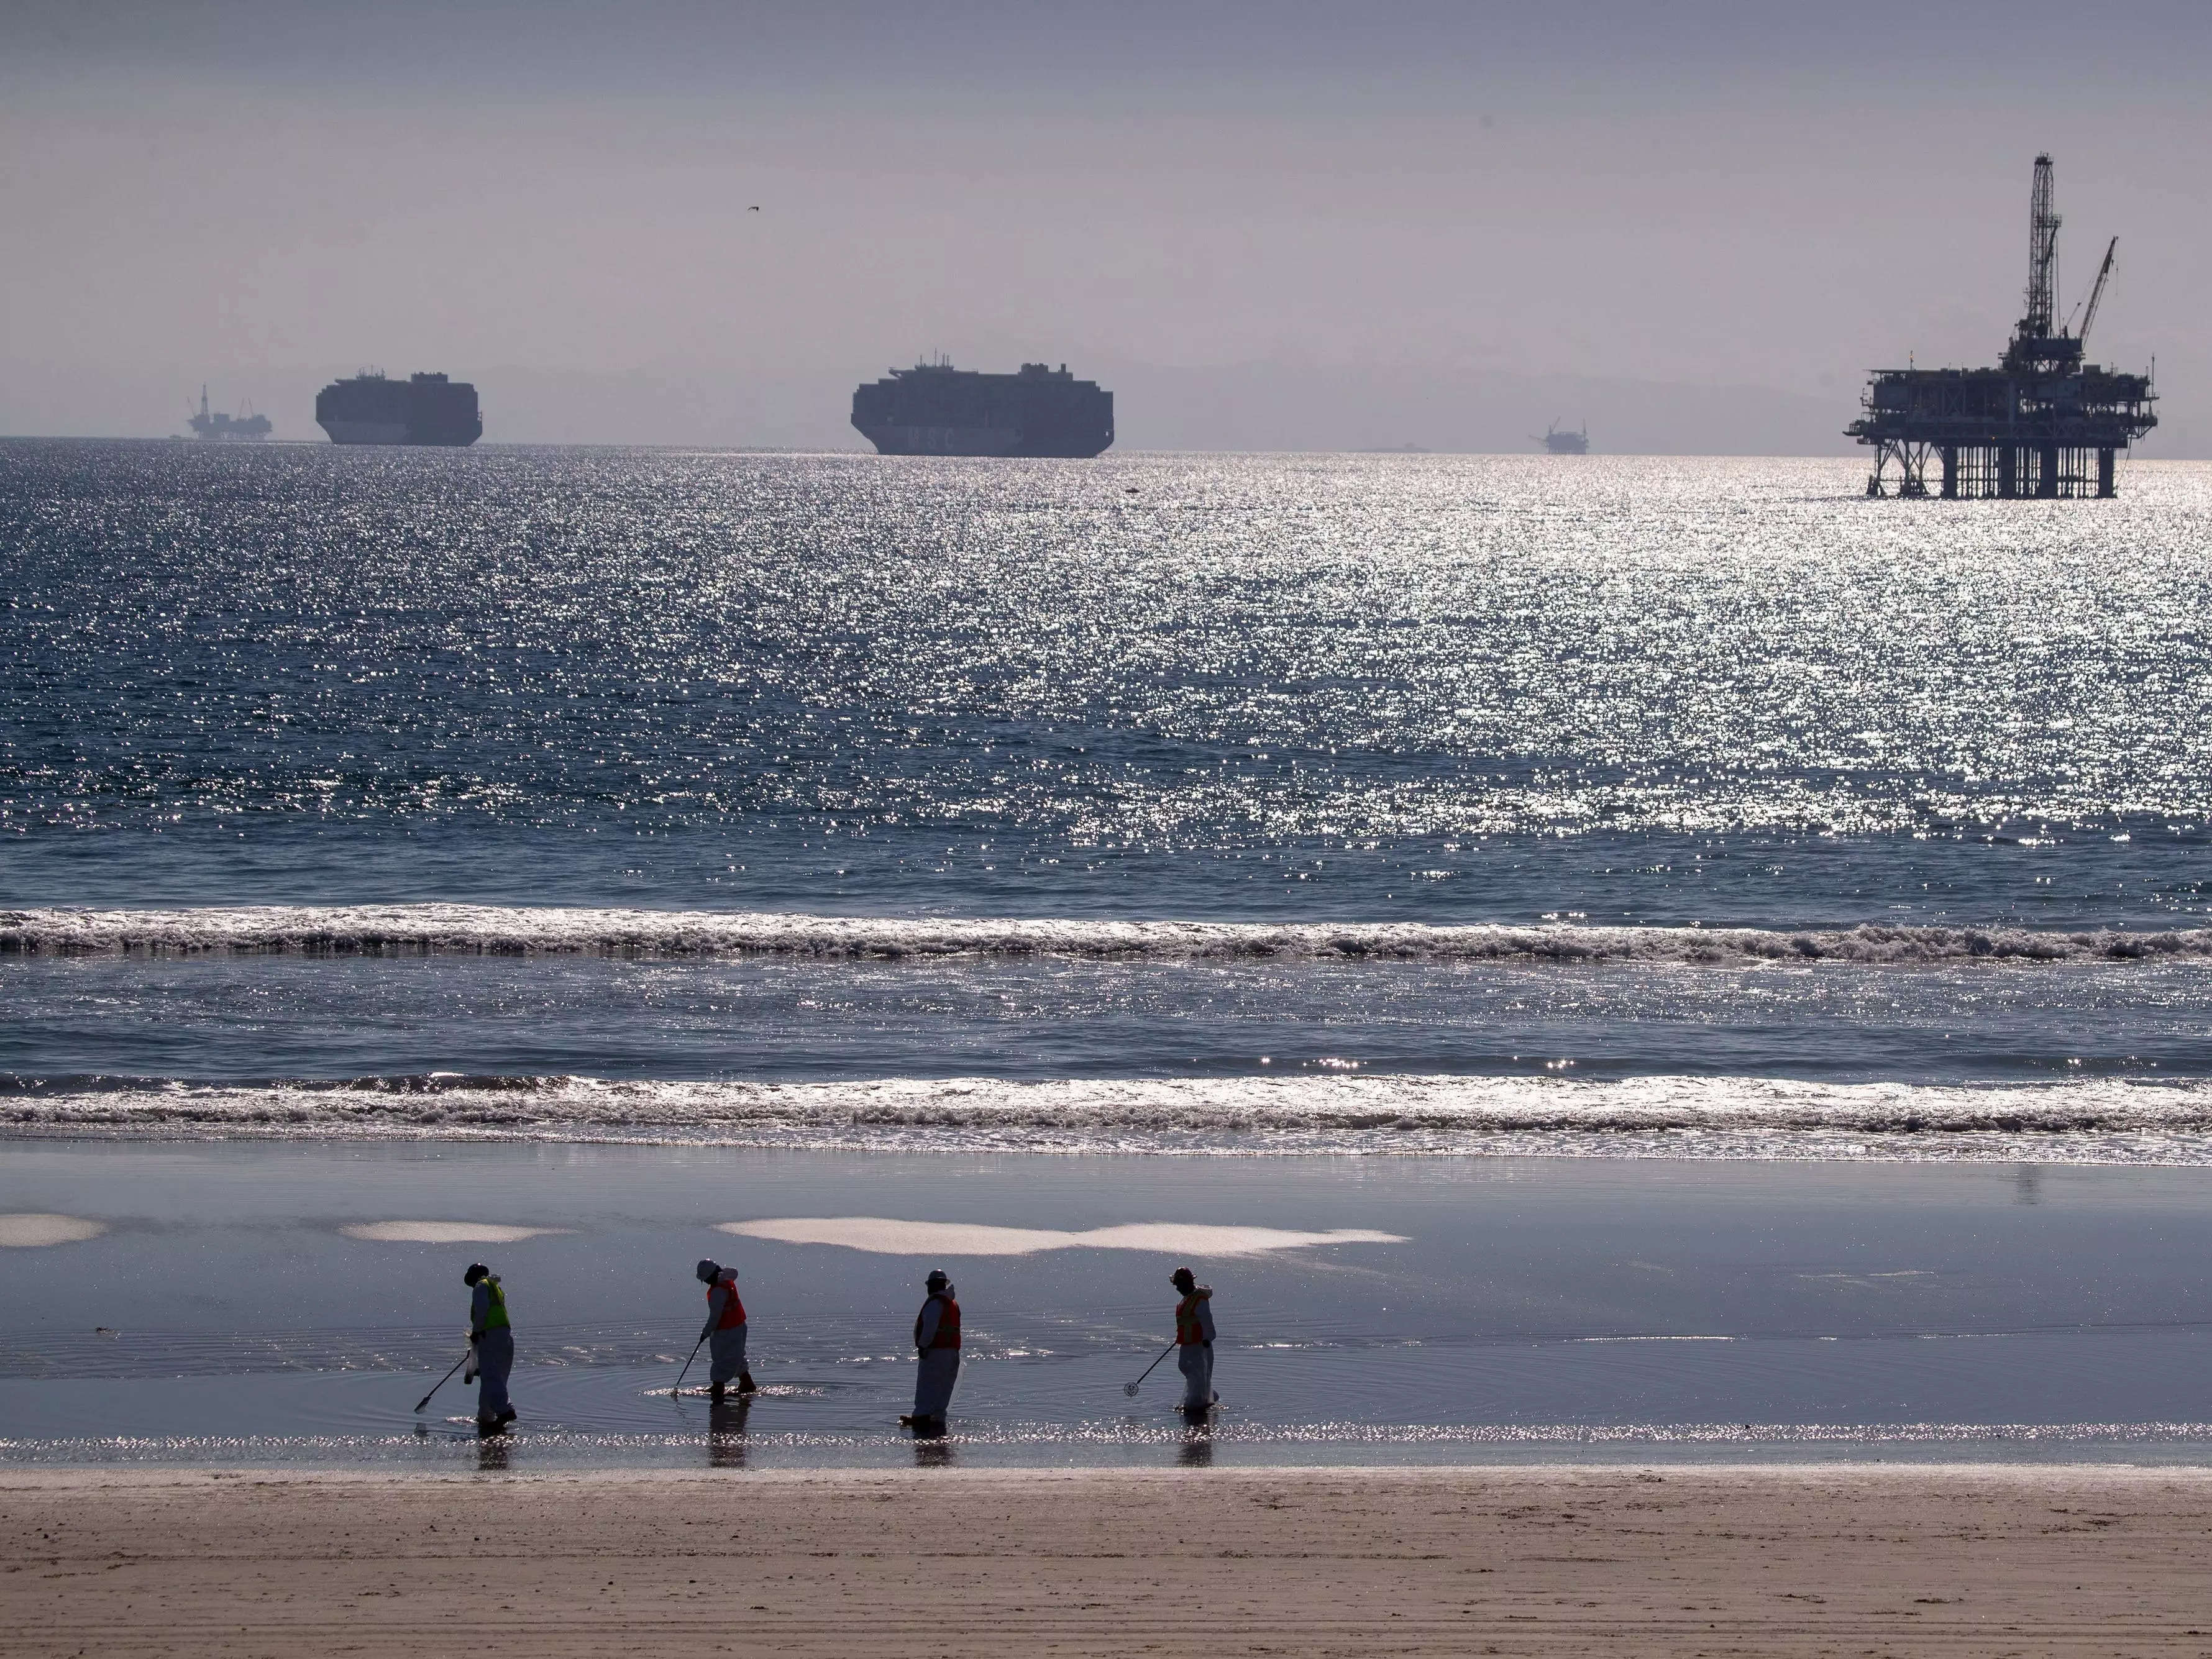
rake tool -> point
(1130, 1389)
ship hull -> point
(424, 409)
(936, 409)
(345, 432)
(993, 441)
(365, 431)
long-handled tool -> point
(1130, 1389)
(686, 1371)
(423, 1404)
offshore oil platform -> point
(218, 427)
(2042, 423)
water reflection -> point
(725, 1432)
(933, 1451)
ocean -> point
(1172, 834)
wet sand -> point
(1854, 1559)
(2063, 1296)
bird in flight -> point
(755, 209)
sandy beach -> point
(1860, 1559)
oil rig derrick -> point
(2042, 423)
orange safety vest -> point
(948, 1324)
(1189, 1334)
(734, 1315)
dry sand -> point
(1858, 1560)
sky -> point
(1694, 226)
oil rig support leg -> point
(2106, 488)
(1950, 472)
(2046, 471)
(2008, 472)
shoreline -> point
(20, 1477)
(2129, 1147)
(1654, 1561)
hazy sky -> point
(1289, 224)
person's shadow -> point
(492, 1451)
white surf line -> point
(32, 1231)
(1065, 1109)
(445, 1232)
(468, 929)
(884, 1235)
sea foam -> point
(2091, 1120)
(466, 929)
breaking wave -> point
(463, 929)
(2089, 1120)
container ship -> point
(934, 409)
(422, 409)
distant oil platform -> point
(1559, 441)
(244, 427)
(2042, 423)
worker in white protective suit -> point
(1194, 1324)
(725, 1331)
(937, 1351)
